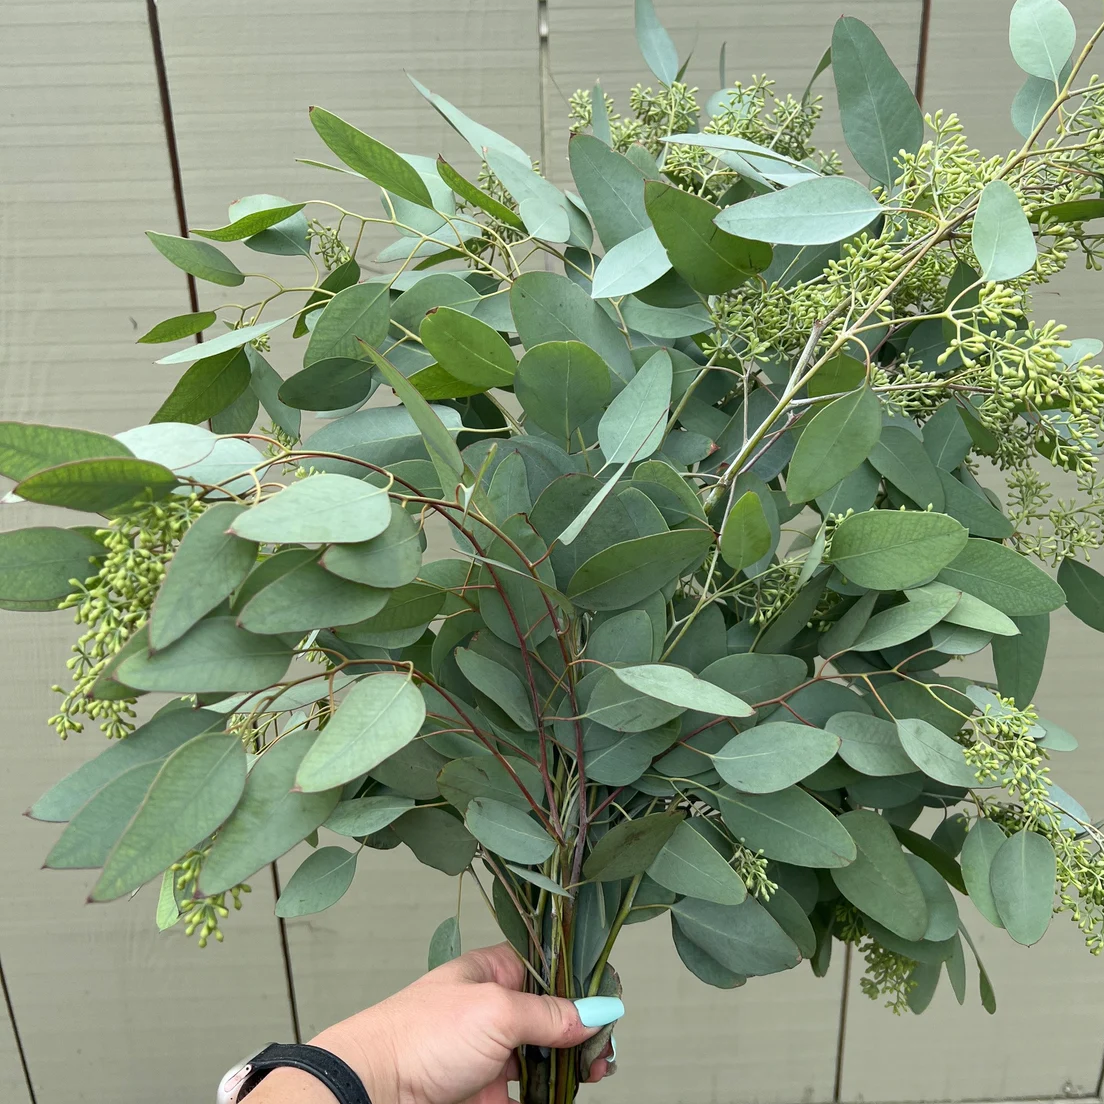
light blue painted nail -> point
(599, 1011)
(613, 1050)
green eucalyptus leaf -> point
(629, 848)
(214, 656)
(390, 560)
(746, 535)
(355, 314)
(879, 112)
(626, 573)
(838, 439)
(26, 448)
(477, 136)
(209, 565)
(207, 388)
(691, 865)
(500, 684)
(97, 485)
(709, 259)
(320, 880)
(549, 307)
(232, 339)
(1018, 660)
(444, 945)
(880, 881)
(893, 550)
(344, 275)
(259, 218)
(270, 819)
(309, 597)
(438, 839)
(377, 717)
(412, 606)
(870, 744)
(655, 43)
(942, 910)
(933, 852)
(197, 259)
(1042, 36)
(901, 458)
(813, 212)
(634, 425)
(372, 159)
(743, 938)
(1021, 878)
(980, 847)
(543, 207)
(562, 385)
(330, 384)
(937, 755)
(1084, 588)
(183, 325)
(968, 611)
(612, 188)
(168, 912)
(486, 776)
(701, 964)
(790, 826)
(682, 688)
(321, 509)
(1001, 236)
(96, 826)
(616, 705)
(265, 383)
(195, 790)
(364, 816)
(287, 237)
(1003, 578)
(1034, 101)
(902, 623)
(152, 742)
(773, 755)
(508, 831)
(630, 265)
(438, 441)
(37, 566)
(468, 349)
(475, 196)
(973, 509)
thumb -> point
(557, 1022)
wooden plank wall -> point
(98, 998)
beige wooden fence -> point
(97, 1006)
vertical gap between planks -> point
(16, 1036)
(154, 21)
(841, 1035)
(544, 78)
(285, 951)
(1100, 1081)
(922, 49)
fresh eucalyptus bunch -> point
(696, 450)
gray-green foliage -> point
(707, 537)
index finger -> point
(499, 964)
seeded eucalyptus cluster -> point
(639, 589)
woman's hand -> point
(450, 1037)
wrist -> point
(366, 1052)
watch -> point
(240, 1081)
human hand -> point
(450, 1037)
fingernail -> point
(613, 1050)
(599, 1011)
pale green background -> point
(107, 1010)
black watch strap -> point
(327, 1067)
